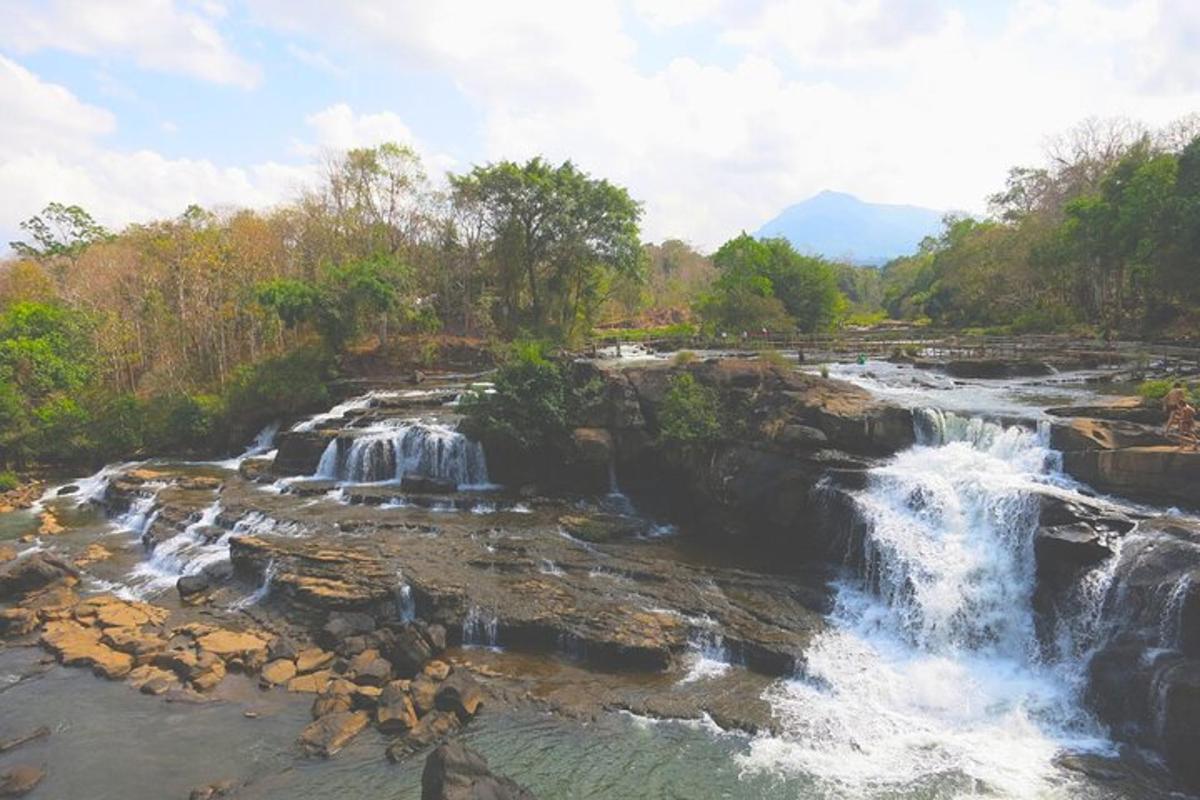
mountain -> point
(839, 225)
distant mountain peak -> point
(838, 225)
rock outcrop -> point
(454, 771)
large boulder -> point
(1166, 475)
(300, 451)
(997, 368)
(34, 571)
(453, 771)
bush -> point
(773, 358)
(528, 409)
(9, 481)
(690, 413)
(684, 357)
(185, 424)
(1157, 389)
(285, 386)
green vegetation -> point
(9, 480)
(1157, 390)
(529, 408)
(1106, 240)
(766, 284)
(690, 413)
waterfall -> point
(337, 412)
(413, 448)
(186, 553)
(930, 678)
(262, 592)
(710, 656)
(480, 629)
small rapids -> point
(930, 681)
(410, 449)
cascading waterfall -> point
(186, 553)
(930, 679)
(414, 448)
(480, 629)
(262, 592)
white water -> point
(929, 680)
(337, 412)
(412, 448)
(480, 629)
(186, 553)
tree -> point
(59, 231)
(759, 278)
(556, 239)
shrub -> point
(284, 386)
(1157, 389)
(9, 481)
(684, 357)
(773, 358)
(528, 408)
(690, 413)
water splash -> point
(413, 448)
(930, 678)
(480, 629)
(262, 592)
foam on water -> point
(930, 680)
(388, 453)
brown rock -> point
(17, 621)
(330, 703)
(278, 672)
(48, 524)
(312, 683)
(211, 671)
(7, 553)
(312, 659)
(431, 727)
(249, 648)
(76, 645)
(94, 553)
(455, 772)
(142, 646)
(424, 692)
(330, 733)
(395, 713)
(149, 679)
(20, 780)
(437, 670)
(370, 669)
(461, 694)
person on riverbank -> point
(1175, 399)
(1186, 414)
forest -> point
(185, 335)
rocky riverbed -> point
(377, 582)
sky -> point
(716, 114)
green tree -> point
(59, 231)
(557, 237)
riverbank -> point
(581, 613)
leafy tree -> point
(529, 407)
(59, 231)
(556, 238)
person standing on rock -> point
(1172, 403)
(1186, 415)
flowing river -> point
(928, 680)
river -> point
(926, 681)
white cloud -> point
(315, 59)
(52, 147)
(339, 128)
(156, 34)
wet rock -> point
(996, 368)
(330, 702)
(430, 728)
(19, 780)
(437, 670)
(257, 470)
(152, 680)
(802, 436)
(300, 451)
(283, 647)
(460, 694)
(1125, 409)
(601, 527)
(69, 489)
(369, 668)
(48, 524)
(409, 651)
(329, 734)
(422, 485)
(1066, 549)
(92, 554)
(7, 553)
(455, 772)
(423, 691)
(17, 622)
(34, 571)
(193, 588)
(1166, 475)
(218, 789)
(13, 742)
(395, 713)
